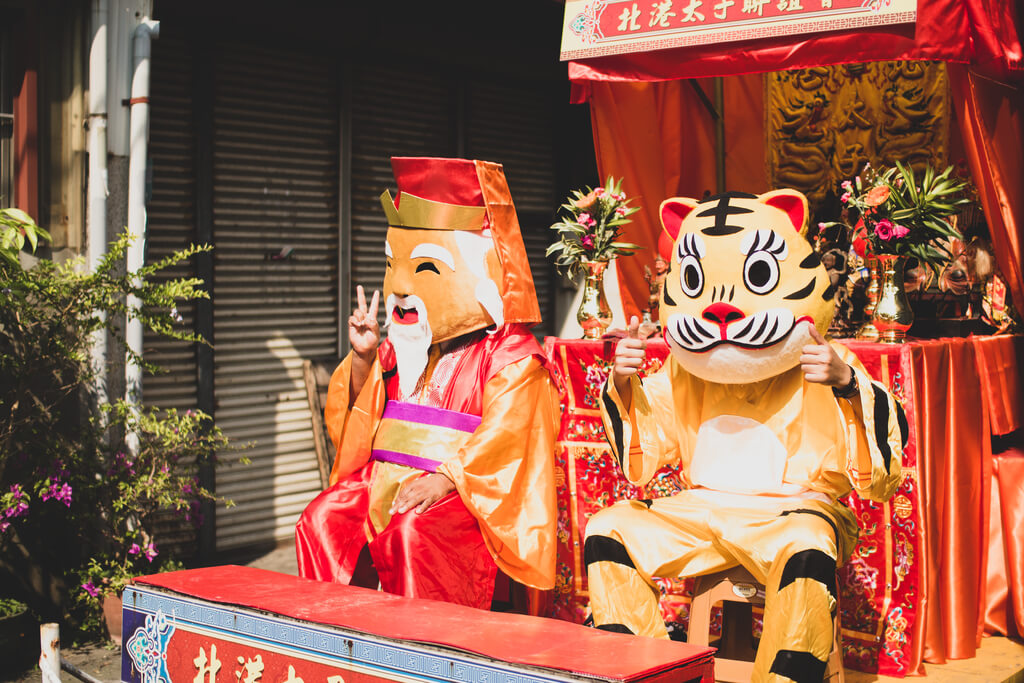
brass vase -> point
(594, 315)
(867, 330)
(893, 315)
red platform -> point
(317, 631)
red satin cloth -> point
(439, 554)
(958, 394)
(980, 32)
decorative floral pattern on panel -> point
(147, 649)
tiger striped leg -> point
(800, 607)
(621, 599)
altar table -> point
(915, 588)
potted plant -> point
(588, 239)
(901, 215)
(84, 482)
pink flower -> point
(846, 185)
(135, 549)
(845, 198)
(59, 491)
(899, 231)
(883, 230)
(822, 227)
(599, 192)
(89, 588)
(586, 220)
(621, 211)
(587, 241)
(150, 552)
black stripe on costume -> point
(816, 513)
(615, 628)
(901, 419)
(615, 418)
(810, 564)
(802, 667)
(604, 549)
(882, 423)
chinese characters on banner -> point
(203, 659)
(594, 28)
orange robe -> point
(503, 473)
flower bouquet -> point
(590, 226)
(904, 215)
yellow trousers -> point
(792, 546)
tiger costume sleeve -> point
(876, 429)
(639, 443)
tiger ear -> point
(791, 203)
(673, 211)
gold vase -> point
(867, 330)
(893, 315)
(594, 314)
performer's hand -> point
(363, 336)
(363, 330)
(629, 356)
(421, 493)
(822, 365)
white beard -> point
(411, 342)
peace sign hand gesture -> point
(363, 330)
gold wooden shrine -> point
(823, 124)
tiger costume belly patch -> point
(744, 284)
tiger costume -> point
(764, 452)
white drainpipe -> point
(137, 157)
(96, 209)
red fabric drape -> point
(1006, 582)
(954, 469)
(980, 32)
(992, 126)
(660, 138)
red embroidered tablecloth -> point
(905, 558)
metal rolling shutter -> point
(170, 227)
(514, 125)
(275, 211)
(415, 116)
(395, 112)
(171, 215)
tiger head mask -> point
(743, 285)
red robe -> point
(450, 551)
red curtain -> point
(980, 32)
(660, 137)
(992, 127)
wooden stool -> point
(738, 591)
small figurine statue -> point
(655, 281)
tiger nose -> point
(721, 313)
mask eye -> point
(691, 276)
(427, 265)
(761, 272)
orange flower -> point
(876, 195)
(586, 201)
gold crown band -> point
(416, 212)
